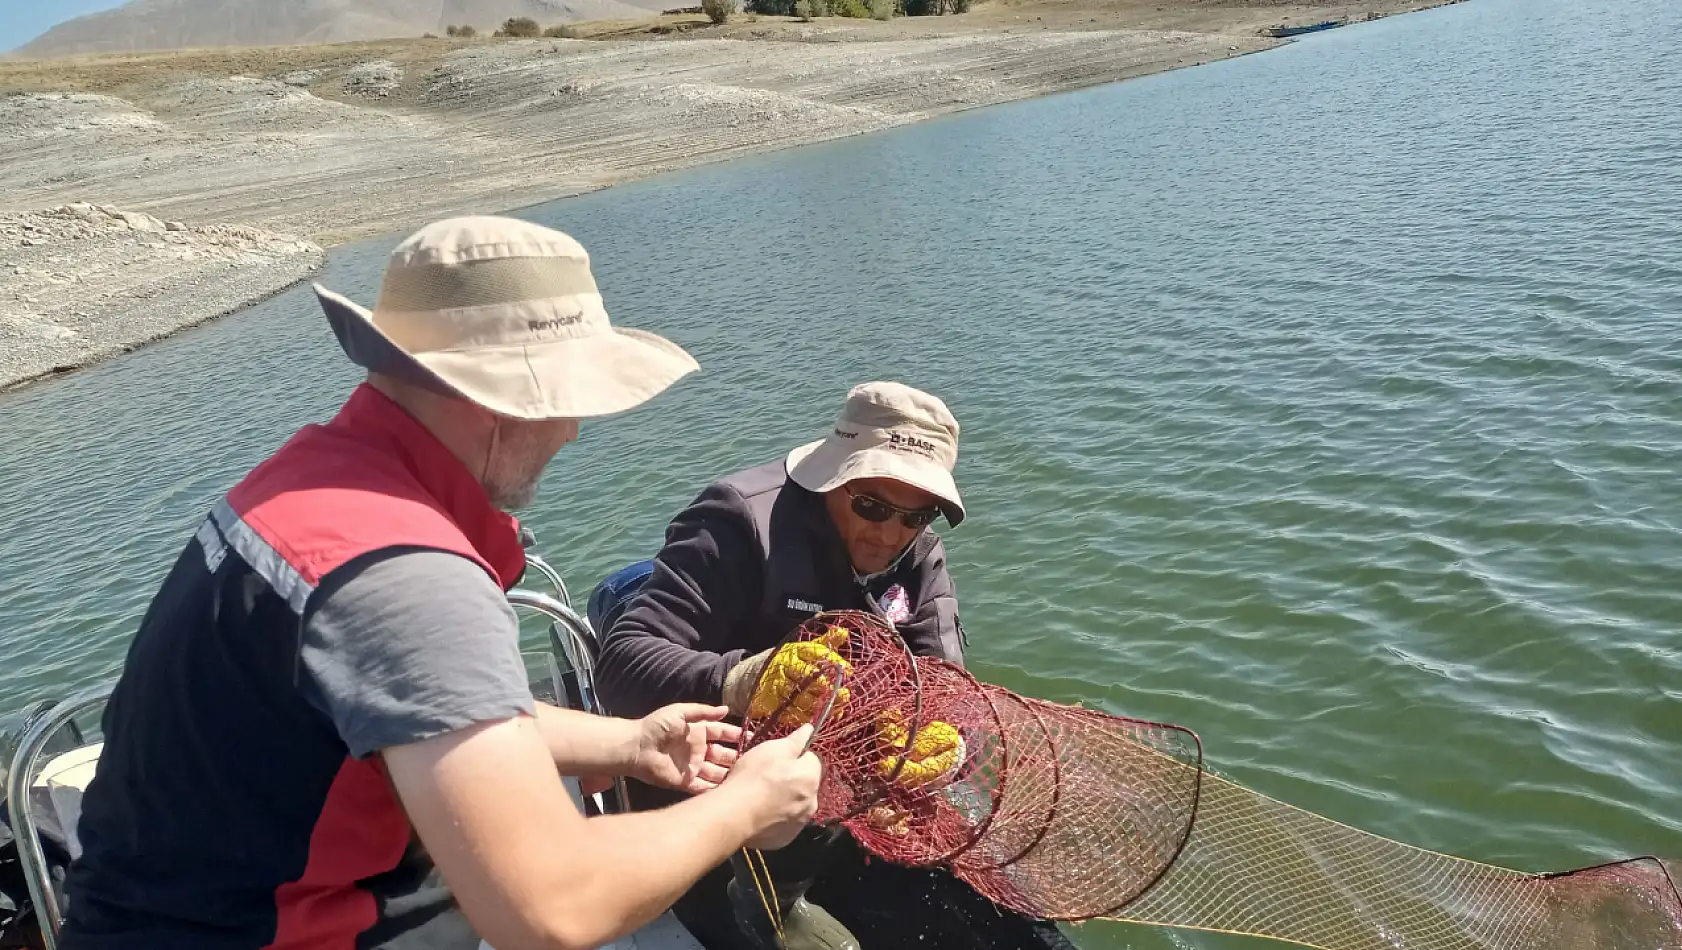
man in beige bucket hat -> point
(839, 523)
(505, 315)
(323, 735)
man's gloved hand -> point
(739, 682)
(798, 679)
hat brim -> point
(827, 464)
(576, 378)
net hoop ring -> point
(861, 624)
(1056, 779)
(996, 794)
(1180, 846)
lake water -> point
(1326, 401)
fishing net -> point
(1066, 813)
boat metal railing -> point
(553, 576)
(528, 541)
(26, 830)
(577, 643)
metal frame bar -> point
(541, 566)
(32, 857)
(580, 647)
(580, 642)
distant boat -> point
(1277, 31)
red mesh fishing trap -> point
(1067, 813)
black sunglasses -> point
(874, 509)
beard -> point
(516, 496)
(517, 466)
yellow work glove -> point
(805, 667)
(935, 753)
(738, 683)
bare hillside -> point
(181, 24)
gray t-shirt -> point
(410, 645)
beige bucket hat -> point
(506, 314)
(886, 430)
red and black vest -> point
(226, 812)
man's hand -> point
(782, 778)
(531, 873)
(679, 747)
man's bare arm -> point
(583, 744)
(681, 746)
(532, 873)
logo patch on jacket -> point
(896, 604)
(796, 603)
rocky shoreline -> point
(308, 147)
(81, 283)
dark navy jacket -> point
(751, 558)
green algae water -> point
(1326, 401)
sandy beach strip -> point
(240, 166)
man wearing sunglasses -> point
(839, 523)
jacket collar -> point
(372, 417)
